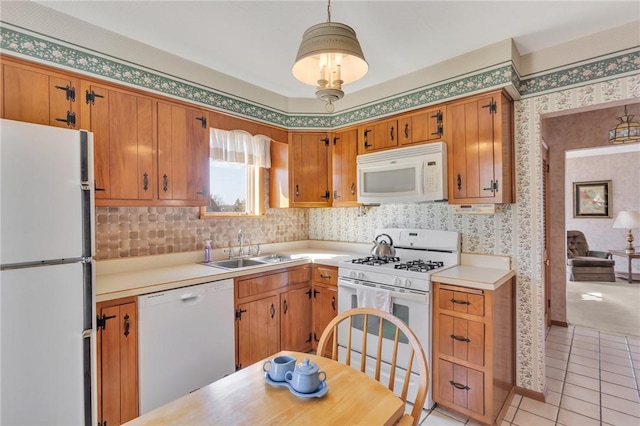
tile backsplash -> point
(140, 231)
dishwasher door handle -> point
(190, 298)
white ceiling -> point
(256, 41)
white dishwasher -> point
(186, 341)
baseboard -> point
(560, 323)
(505, 407)
(538, 396)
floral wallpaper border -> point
(43, 49)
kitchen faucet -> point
(241, 241)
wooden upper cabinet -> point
(480, 142)
(37, 96)
(344, 148)
(124, 142)
(279, 193)
(425, 126)
(183, 154)
(310, 168)
(378, 135)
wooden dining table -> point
(246, 398)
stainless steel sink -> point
(275, 258)
(235, 263)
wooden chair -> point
(328, 347)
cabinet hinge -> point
(238, 367)
(326, 195)
(335, 140)
(203, 120)
(101, 321)
(309, 340)
(548, 168)
(69, 91)
(90, 97)
(548, 303)
(493, 107)
(239, 313)
(326, 141)
(102, 423)
(308, 293)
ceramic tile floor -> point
(593, 378)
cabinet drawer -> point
(461, 338)
(251, 286)
(461, 386)
(461, 301)
(301, 275)
(326, 275)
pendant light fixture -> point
(329, 56)
(626, 131)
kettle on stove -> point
(382, 248)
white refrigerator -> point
(47, 275)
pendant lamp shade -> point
(328, 57)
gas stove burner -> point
(419, 265)
(375, 260)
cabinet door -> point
(481, 149)
(378, 135)
(310, 170)
(325, 308)
(344, 151)
(295, 306)
(423, 127)
(35, 96)
(183, 154)
(118, 364)
(124, 149)
(258, 330)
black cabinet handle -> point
(460, 338)
(406, 131)
(333, 303)
(165, 182)
(459, 386)
(273, 311)
(391, 133)
(353, 188)
(325, 276)
(145, 182)
(286, 307)
(459, 181)
(127, 325)
(297, 191)
(460, 302)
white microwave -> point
(403, 175)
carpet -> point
(607, 306)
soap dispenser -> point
(207, 250)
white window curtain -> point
(238, 146)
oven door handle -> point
(394, 294)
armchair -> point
(587, 265)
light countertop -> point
(494, 272)
(136, 276)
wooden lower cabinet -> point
(273, 313)
(325, 299)
(473, 349)
(117, 361)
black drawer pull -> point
(459, 338)
(325, 276)
(460, 302)
(459, 386)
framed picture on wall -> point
(592, 199)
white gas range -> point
(407, 279)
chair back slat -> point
(416, 353)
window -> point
(236, 189)
(236, 170)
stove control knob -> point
(352, 274)
(407, 282)
(361, 275)
(398, 282)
